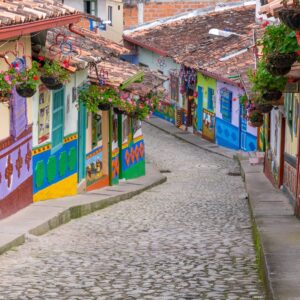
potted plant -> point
(54, 75)
(256, 118)
(279, 48)
(266, 85)
(7, 83)
(262, 105)
(290, 16)
(27, 80)
(96, 98)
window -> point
(174, 87)
(109, 17)
(96, 129)
(58, 119)
(210, 95)
(226, 104)
(90, 7)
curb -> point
(10, 240)
(191, 143)
(263, 269)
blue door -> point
(243, 128)
(200, 108)
(82, 121)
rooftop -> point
(20, 17)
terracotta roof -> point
(191, 34)
(272, 8)
(14, 12)
(80, 48)
(117, 71)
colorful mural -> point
(55, 174)
(209, 123)
(15, 173)
(166, 111)
(95, 178)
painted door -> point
(243, 128)
(82, 120)
(200, 108)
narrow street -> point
(189, 238)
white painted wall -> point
(71, 113)
(159, 63)
(275, 129)
(77, 4)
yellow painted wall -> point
(206, 82)
(4, 111)
(291, 138)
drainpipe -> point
(72, 29)
(110, 128)
(140, 9)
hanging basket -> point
(264, 108)
(256, 123)
(282, 60)
(277, 71)
(272, 95)
(104, 106)
(118, 111)
(51, 82)
(25, 91)
(290, 17)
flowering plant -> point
(54, 69)
(28, 77)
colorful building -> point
(16, 112)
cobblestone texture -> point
(189, 238)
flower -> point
(110, 100)
(41, 58)
(35, 77)
(66, 63)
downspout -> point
(110, 127)
(72, 29)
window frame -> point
(62, 125)
(110, 14)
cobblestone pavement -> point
(189, 238)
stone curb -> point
(9, 240)
(259, 247)
(220, 152)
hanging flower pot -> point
(256, 118)
(51, 82)
(290, 17)
(272, 95)
(277, 71)
(264, 108)
(282, 60)
(24, 90)
(104, 106)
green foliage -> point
(29, 76)
(255, 116)
(262, 81)
(278, 39)
(243, 99)
(54, 69)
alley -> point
(189, 238)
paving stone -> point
(190, 238)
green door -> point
(82, 121)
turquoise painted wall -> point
(206, 82)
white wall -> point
(77, 4)
(159, 63)
(71, 113)
(275, 141)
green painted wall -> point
(136, 171)
(206, 82)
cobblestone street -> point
(189, 238)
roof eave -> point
(12, 31)
(143, 45)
